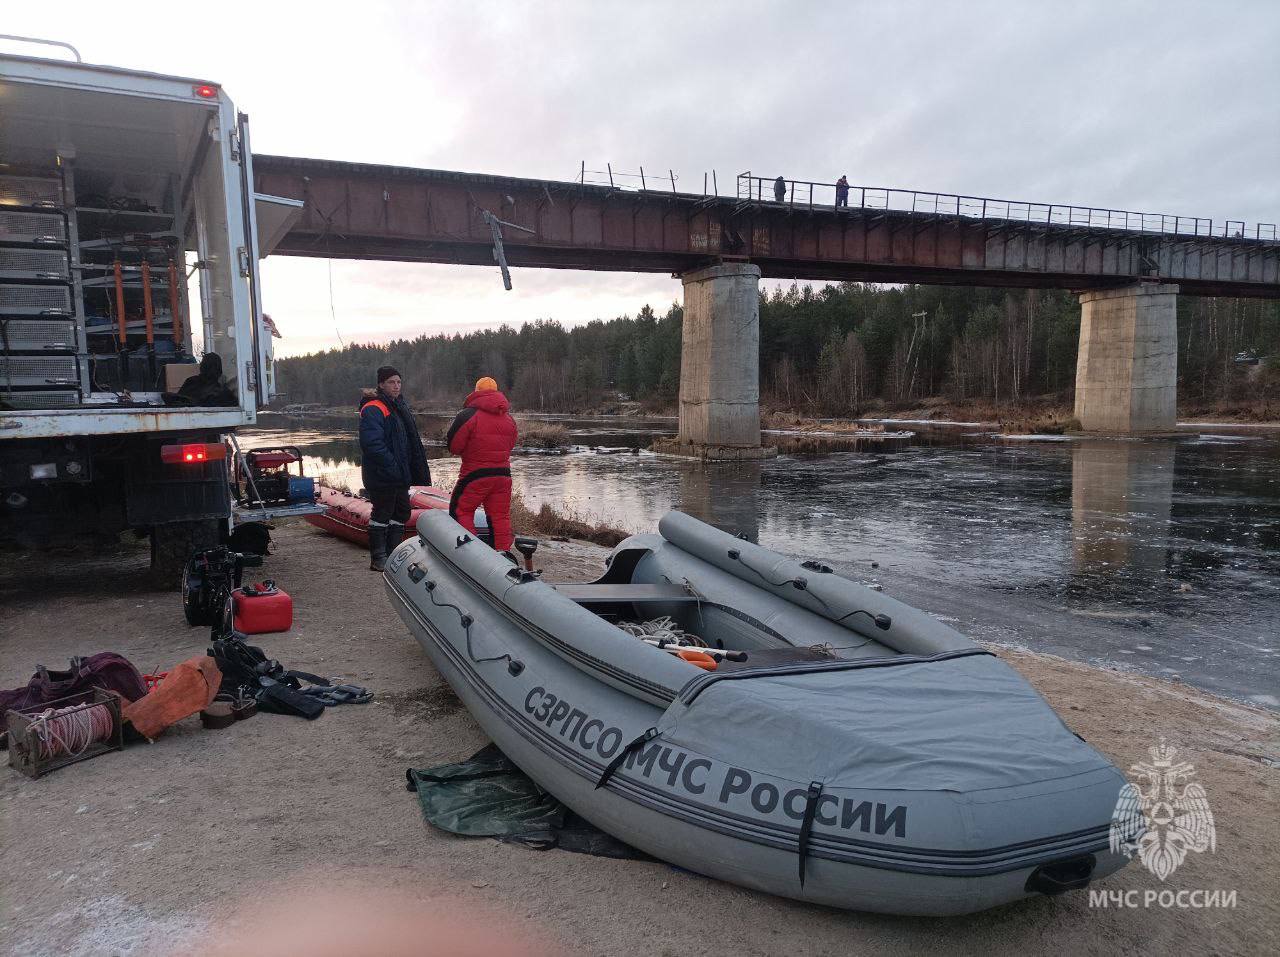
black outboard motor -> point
(526, 547)
(207, 583)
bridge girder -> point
(360, 211)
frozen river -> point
(1159, 557)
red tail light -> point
(205, 91)
(192, 454)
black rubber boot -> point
(377, 547)
(395, 535)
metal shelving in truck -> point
(129, 244)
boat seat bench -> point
(593, 594)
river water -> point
(1160, 557)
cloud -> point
(1158, 106)
(380, 301)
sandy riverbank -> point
(153, 850)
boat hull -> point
(563, 729)
(347, 515)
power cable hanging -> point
(333, 312)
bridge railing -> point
(808, 194)
(659, 181)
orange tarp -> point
(188, 688)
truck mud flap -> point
(157, 493)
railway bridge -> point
(1126, 267)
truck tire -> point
(173, 543)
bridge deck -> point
(362, 211)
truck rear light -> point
(192, 454)
(45, 470)
(205, 91)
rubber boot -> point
(395, 535)
(377, 547)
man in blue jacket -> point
(392, 459)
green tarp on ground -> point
(488, 796)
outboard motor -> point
(526, 547)
(208, 580)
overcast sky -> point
(1161, 106)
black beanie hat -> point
(386, 372)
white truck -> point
(130, 235)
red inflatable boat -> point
(347, 515)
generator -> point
(267, 476)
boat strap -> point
(806, 825)
(695, 686)
(623, 754)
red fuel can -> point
(261, 609)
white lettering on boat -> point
(674, 767)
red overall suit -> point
(484, 435)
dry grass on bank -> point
(1263, 411)
(554, 523)
(542, 435)
(1048, 423)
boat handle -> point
(1062, 876)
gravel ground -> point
(174, 847)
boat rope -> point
(661, 629)
(800, 583)
(828, 649)
(466, 621)
(698, 598)
(735, 555)
(624, 754)
(883, 622)
(71, 731)
(806, 824)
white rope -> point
(661, 629)
(71, 730)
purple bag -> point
(105, 670)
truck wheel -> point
(173, 543)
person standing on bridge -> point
(780, 190)
(842, 192)
(484, 434)
(392, 458)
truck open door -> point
(267, 219)
(276, 216)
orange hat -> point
(486, 384)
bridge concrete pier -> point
(1127, 368)
(720, 365)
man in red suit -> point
(484, 434)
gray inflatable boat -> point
(825, 742)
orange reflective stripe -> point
(378, 403)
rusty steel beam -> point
(361, 211)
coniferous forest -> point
(832, 350)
